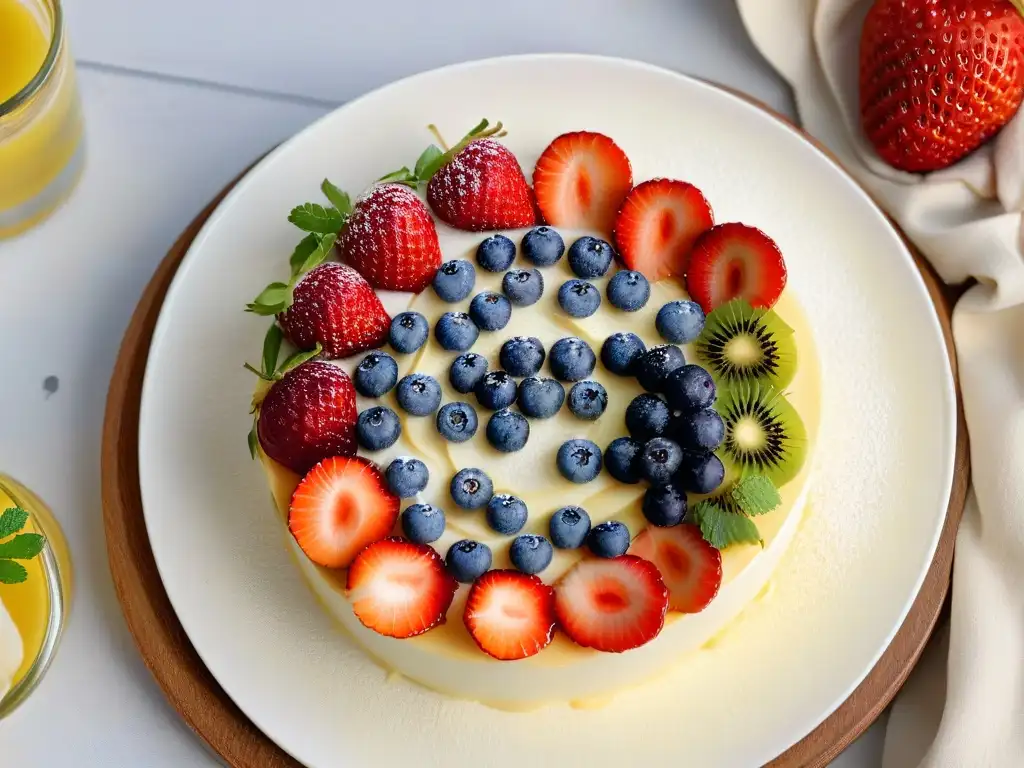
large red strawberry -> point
(580, 181)
(734, 261)
(612, 604)
(690, 567)
(332, 305)
(511, 615)
(390, 238)
(341, 506)
(481, 188)
(657, 226)
(307, 416)
(938, 78)
(400, 589)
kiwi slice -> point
(743, 344)
(763, 433)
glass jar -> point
(41, 135)
(35, 609)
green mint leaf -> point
(756, 495)
(403, 176)
(722, 529)
(429, 163)
(313, 217)
(12, 572)
(319, 254)
(271, 348)
(299, 358)
(339, 199)
(24, 546)
(306, 246)
(253, 439)
(273, 299)
(12, 521)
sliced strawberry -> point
(342, 505)
(611, 604)
(511, 615)
(390, 238)
(333, 306)
(482, 188)
(690, 567)
(580, 181)
(307, 416)
(657, 226)
(400, 589)
(734, 261)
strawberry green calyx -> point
(434, 158)
(1019, 5)
(322, 225)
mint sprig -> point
(23, 546)
(433, 158)
(756, 495)
(724, 519)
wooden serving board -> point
(194, 693)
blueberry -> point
(659, 460)
(587, 400)
(522, 355)
(629, 291)
(423, 523)
(701, 431)
(569, 527)
(523, 286)
(680, 322)
(496, 390)
(466, 372)
(572, 359)
(689, 388)
(418, 394)
(655, 364)
(701, 473)
(508, 430)
(530, 553)
(454, 280)
(609, 539)
(407, 476)
(378, 428)
(468, 560)
(456, 331)
(409, 331)
(620, 352)
(457, 422)
(543, 246)
(620, 457)
(647, 416)
(664, 505)
(496, 253)
(506, 514)
(490, 311)
(590, 257)
(471, 488)
(579, 460)
(579, 298)
(540, 398)
(376, 374)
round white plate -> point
(884, 458)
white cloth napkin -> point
(967, 221)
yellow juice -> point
(40, 118)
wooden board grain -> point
(194, 693)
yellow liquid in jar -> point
(40, 137)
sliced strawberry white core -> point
(342, 505)
(510, 615)
(400, 589)
(613, 604)
(690, 567)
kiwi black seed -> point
(743, 344)
(763, 433)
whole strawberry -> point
(308, 415)
(390, 238)
(938, 77)
(333, 305)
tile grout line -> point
(115, 69)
